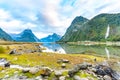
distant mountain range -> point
(5, 36)
(103, 27)
(25, 36)
(28, 36)
(51, 38)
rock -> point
(4, 63)
(115, 75)
(7, 64)
(101, 72)
(58, 73)
(13, 51)
(63, 65)
(78, 67)
(62, 78)
(23, 77)
(33, 70)
(76, 77)
(65, 61)
(83, 66)
(25, 70)
(73, 71)
(108, 70)
(46, 71)
(93, 70)
(106, 77)
(39, 78)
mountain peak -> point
(79, 19)
(26, 36)
(27, 30)
(51, 38)
(54, 34)
(96, 29)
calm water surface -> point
(103, 51)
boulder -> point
(62, 78)
(13, 51)
(25, 70)
(46, 71)
(58, 73)
(39, 78)
(63, 65)
(108, 70)
(106, 77)
(4, 63)
(83, 66)
(101, 72)
(76, 77)
(73, 71)
(78, 67)
(33, 70)
(65, 61)
(7, 64)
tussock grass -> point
(49, 59)
(2, 50)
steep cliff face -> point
(103, 27)
(5, 36)
(72, 31)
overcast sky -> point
(49, 16)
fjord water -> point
(108, 52)
(101, 50)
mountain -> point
(25, 36)
(103, 27)
(5, 36)
(51, 38)
(72, 31)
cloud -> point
(45, 17)
(4, 15)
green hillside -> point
(95, 29)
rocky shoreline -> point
(82, 71)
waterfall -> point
(107, 32)
(107, 53)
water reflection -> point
(105, 51)
(53, 47)
(81, 49)
(99, 50)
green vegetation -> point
(48, 59)
(94, 29)
(38, 59)
(2, 50)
